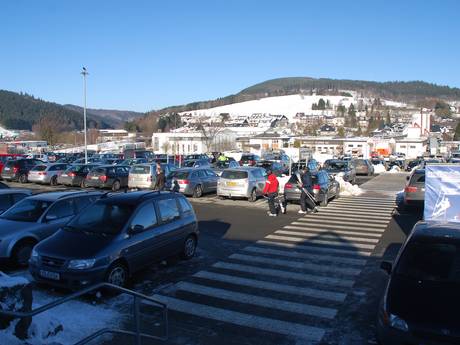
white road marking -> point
(323, 214)
(335, 230)
(329, 237)
(352, 246)
(366, 224)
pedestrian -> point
(222, 158)
(323, 180)
(160, 180)
(307, 203)
(175, 188)
(271, 191)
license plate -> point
(6, 169)
(231, 184)
(94, 178)
(64, 175)
(50, 275)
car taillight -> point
(42, 173)
(288, 186)
(103, 178)
(183, 181)
(15, 169)
(72, 174)
(316, 187)
(410, 189)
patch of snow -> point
(7, 281)
(395, 169)
(379, 168)
(346, 188)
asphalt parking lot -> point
(292, 279)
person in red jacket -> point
(271, 191)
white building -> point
(106, 135)
(412, 147)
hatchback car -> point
(322, 196)
(10, 196)
(244, 182)
(414, 192)
(108, 176)
(249, 160)
(119, 235)
(145, 175)
(420, 304)
(18, 169)
(46, 173)
(5, 157)
(193, 181)
(36, 217)
(344, 167)
(275, 167)
(363, 167)
(75, 175)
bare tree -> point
(49, 128)
(209, 131)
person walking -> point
(271, 191)
(160, 181)
(222, 158)
(305, 182)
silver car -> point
(144, 175)
(35, 218)
(46, 173)
(244, 182)
(193, 181)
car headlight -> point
(34, 256)
(398, 323)
(81, 264)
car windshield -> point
(103, 218)
(430, 261)
(27, 210)
(234, 174)
(335, 165)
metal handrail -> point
(136, 297)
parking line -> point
(296, 264)
(329, 237)
(352, 246)
(299, 308)
(309, 248)
(264, 285)
(242, 319)
(367, 224)
(335, 230)
(318, 257)
(285, 274)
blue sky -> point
(144, 55)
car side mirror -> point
(136, 229)
(386, 266)
(50, 217)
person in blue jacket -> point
(323, 179)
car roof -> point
(134, 198)
(53, 196)
(437, 230)
(15, 190)
(245, 168)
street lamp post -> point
(84, 73)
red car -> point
(7, 156)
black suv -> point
(108, 176)
(18, 169)
(421, 303)
(119, 234)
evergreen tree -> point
(321, 104)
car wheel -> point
(116, 186)
(253, 196)
(117, 274)
(53, 181)
(21, 253)
(198, 192)
(325, 201)
(23, 178)
(189, 249)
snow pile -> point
(65, 324)
(346, 188)
(379, 168)
(395, 169)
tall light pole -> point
(84, 73)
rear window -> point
(39, 168)
(234, 174)
(336, 165)
(418, 178)
(181, 175)
(168, 209)
(185, 205)
(248, 158)
(10, 164)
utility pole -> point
(84, 73)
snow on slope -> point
(281, 105)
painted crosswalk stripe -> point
(346, 217)
(370, 215)
(353, 246)
(362, 201)
(344, 221)
(295, 264)
(383, 199)
(311, 249)
(304, 277)
(294, 254)
(327, 236)
(335, 230)
(372, 210)
(323, 224)
(241, 319)
(264, 285)
(346, 203)
(299, 308)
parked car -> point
(220, 166)
(420, 304)
(280, 158)
(133, 161)
(10, 196)
(36, 217)
(363, 167)
(145, 175)
(5, 157)
(196, 163)
(414, 192)
(277, 168)
(412, 164)
(344, 167)
(249, 160)
(4, 185)
(194, 181)
(322, 196)
(108, 176)
(244, 182)
(75, 175)
(197, 156)
(18, 169)
(46, 173)
(119, 235)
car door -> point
(212, 180)
(57, 215)
(203, 180)
(122, 174)
(171, 226)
